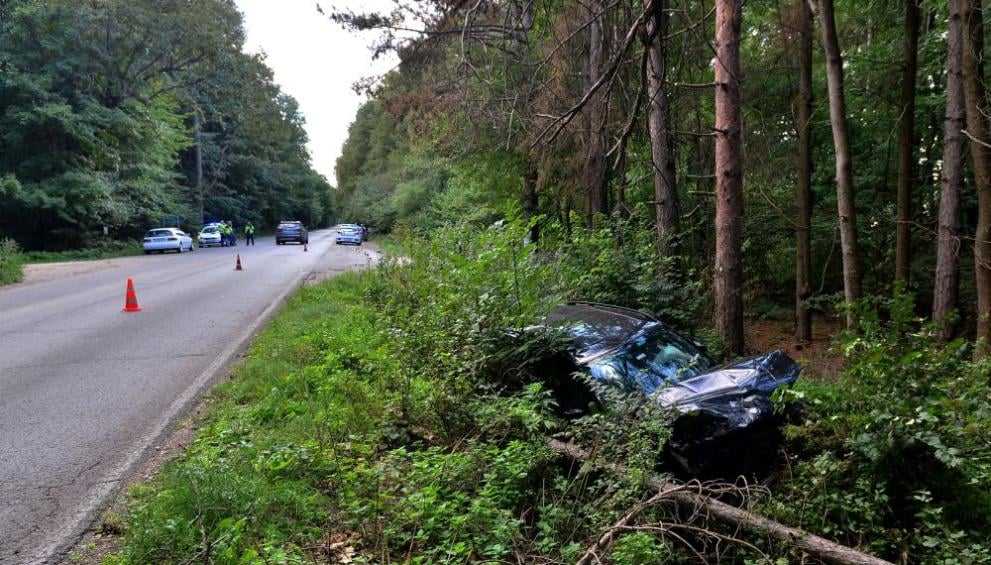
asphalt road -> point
(86, 390)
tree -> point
(729, 178)
(844, 162)
(803, 188)
(906, 143)
(975, 101)
(596, 113)
(946, 286)
(658, 126)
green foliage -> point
(621, 264)
(96, 101)
(101, 248)
(392, 408)
(11, 260)
(636, 548)
(897, 454)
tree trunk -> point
(594, 176)
(975, 101)
(530, 198)
(844, 166)
(803, 190)
(729, 178)
(199, 162)
(946, 284)
(906, 144)
(659, 129)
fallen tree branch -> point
(821, 548)
(605, 541)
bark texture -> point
(906, 144)
(946, 284)
(659, 128)
(803, 189)
(596, 113)
(729, 178)
(844, 166)
(975, 101)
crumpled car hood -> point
(739, 392)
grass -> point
(11, 262)
(253, 484)
(389, 243)
(119, 249)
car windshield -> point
(159, 233)
(287, 225)
(654, 358)
(211, 229)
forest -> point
(793, 154)
(118, 116)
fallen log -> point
(820, 548)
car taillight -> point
(147, 239)
(173, 239)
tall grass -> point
(102, 249)
(11, 262)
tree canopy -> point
(105, 105)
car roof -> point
(597, 328)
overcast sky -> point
(316, 62)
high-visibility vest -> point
(249, 229)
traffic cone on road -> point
(304, 247)
(131, 299)
(237, 266)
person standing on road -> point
(231, 233)
(222, 228)
(249, 234)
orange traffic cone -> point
(131, 299)
(237, 266)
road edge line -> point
(111, 483)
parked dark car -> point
(291, 231)
(718, 409)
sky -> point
(315, 61)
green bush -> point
(99, 248)
(896, 455)
(11, 262)
(393, 409)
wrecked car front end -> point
(625, 353)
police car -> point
(210, 235)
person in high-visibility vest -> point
(249, 234)
(231, 234)
(224, 239)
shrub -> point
(897, 454)
(11, 262)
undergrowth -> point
(392, 415)
(896, 455)
(11, 262)
(98, 249)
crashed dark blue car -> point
(718, 407)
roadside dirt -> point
(816, 357)
(105, 536)
(42, 272)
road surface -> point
(86, 390)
